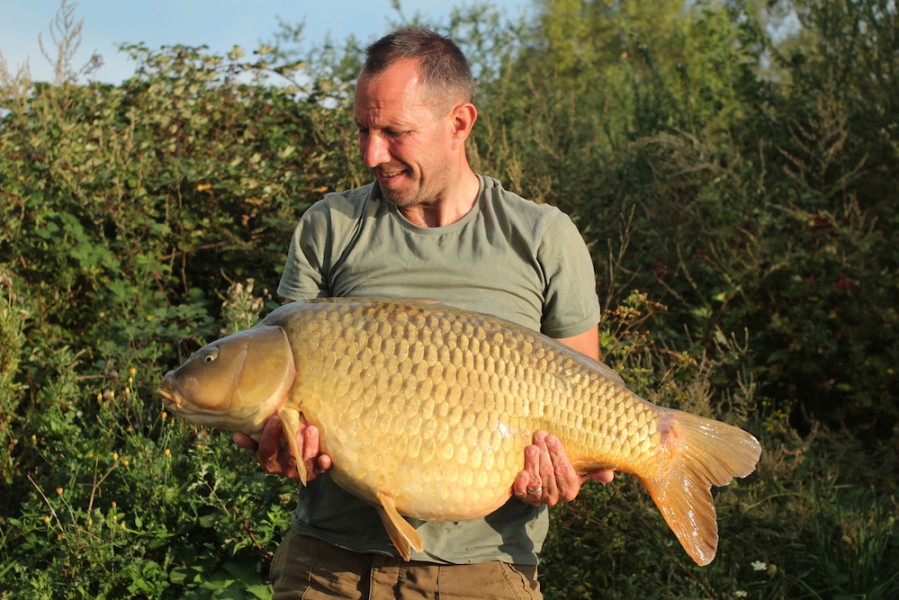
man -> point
(429, 227)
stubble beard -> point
(398, 198)
(405, 196)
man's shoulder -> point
(354, 198)
(338, 210)
(520, 209)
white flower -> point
(740, 594)
(758, 565)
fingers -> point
(324, 462)
(244, 441)
(567, 481)
(270, 454)
(538, 484)
(274, 455)
(520, 485)
(527, 486)
(308, 440)
(604, 477)
(548, 476)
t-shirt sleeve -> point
(305, 272)
(571, 305)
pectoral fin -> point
(290, 425)
(403, 535)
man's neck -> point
(447, 210)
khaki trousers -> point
(309, 569)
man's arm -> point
(585, 343)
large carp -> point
(426, 410)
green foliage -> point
(732, 166)
(12, 344)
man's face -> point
(405, 135)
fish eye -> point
(211, 356)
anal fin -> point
(401, 533)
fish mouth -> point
(170, 399)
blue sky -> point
(219, 24)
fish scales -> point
(425, 411)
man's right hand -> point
(273, 452)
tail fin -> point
(702, 453)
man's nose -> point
(374, 150)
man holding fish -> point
(429, 227)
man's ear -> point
(463, 117)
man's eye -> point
(393, 134)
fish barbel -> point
(426, 410)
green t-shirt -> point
(509, 257)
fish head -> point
(236, 382)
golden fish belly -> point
(436, 406)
